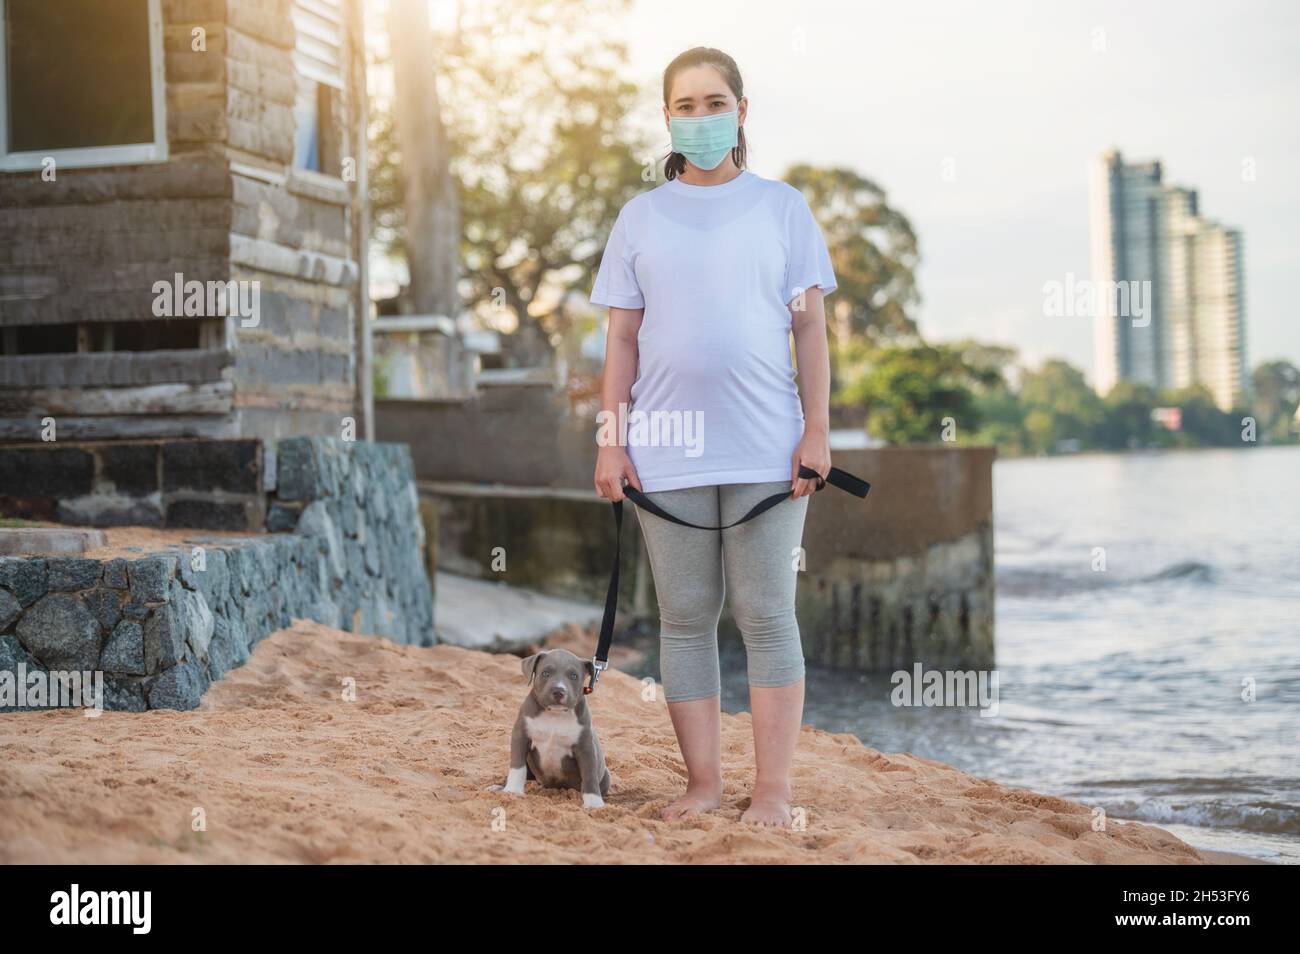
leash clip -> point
(597, 668)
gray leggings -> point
(693, 569)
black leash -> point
(600, 662)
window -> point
(317, 146)
(81, 81)
(318, 58)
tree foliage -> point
(537, 107)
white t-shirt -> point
(715, 267)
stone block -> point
(61, 632)
(180, 687)
(115, 574)
(26, 578)
(46, 472)
(207, 514)
(106, 605)
(164, 641)
(150, 578)
(72, 573)
(124, 650)
(123, 694)
(228, 466)
(10, 609)
(131, 469)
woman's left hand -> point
(814, 451)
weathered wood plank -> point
(275, 87)
(214, 397)
(271, 257)
(294, 220)
(189, 11)
(112, 369)
(299, 398)
(120, 428)
(191, 176)
(268, 20)
(197, 112)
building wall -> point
(89, 246)
(1144, 230)
(227, 204)
(291, 231)
(1128, 227)
(1218, 314)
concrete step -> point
(493, 616)
(49, 541)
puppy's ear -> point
(529, 665)
(590, 668)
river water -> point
(1164, 687)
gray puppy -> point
(554, 740)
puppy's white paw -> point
(592, 801)
(515, 779)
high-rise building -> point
(1168, 284)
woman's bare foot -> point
(768, 808)
(697, 798)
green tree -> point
(1276, 387)
(1059, 406)
(1127, 420)
(1204, 423)
(911, 389)
(1002, 420)
(538, 112)
(873, 251)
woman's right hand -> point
(612, 465)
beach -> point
(329, 747)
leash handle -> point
(600, 661)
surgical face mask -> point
(704, 140)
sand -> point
(280, 768)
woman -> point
(705, 277)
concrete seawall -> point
(905, 576)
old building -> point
(182, 219)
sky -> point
(980, 119)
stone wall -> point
(346, 550)
(210, 485)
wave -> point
(1193, 569)
(1062, 581)
(1261, 817)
